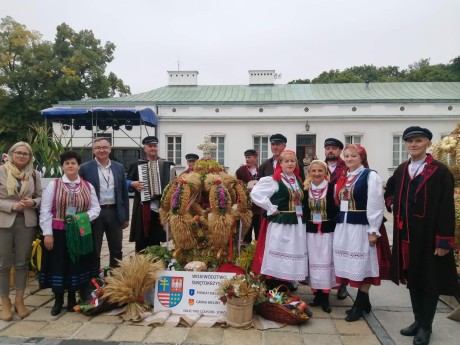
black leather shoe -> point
(411, 330)
(318, 300)
(367, 309)
(354, 315)
(71, 302)
(342, 293)
(422, 337)
(291, 286)
(326, 306)
(56, 310)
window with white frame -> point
(399, 150)
(174, 149)
(353, 139)
(261, 145)
(218, 154)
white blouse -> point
(46, 215)
(264, 190)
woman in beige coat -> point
(20, 194)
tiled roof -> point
(289, 93)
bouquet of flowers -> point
(242, 286)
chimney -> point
(183, 78)
(262, 77)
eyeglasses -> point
(22, 154)
(98, 148)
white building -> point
(239, 117)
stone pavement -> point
(391, 311)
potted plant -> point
(240, 293)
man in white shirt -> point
(109, 180)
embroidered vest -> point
(328, 211)
(284, 198)
(62, 199)
(357, 201)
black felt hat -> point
(250, 152)
(278, 138)
(416, 131)
(151, 139)
(192, 157)
(333, 142)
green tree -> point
(35, 73)
(420, 70)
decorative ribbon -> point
(97, 293)
(36, 251)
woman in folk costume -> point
(281, 195)
(20, 193)
(359, 195)
(65, 267)
(320, 211)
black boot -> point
(318, 300)
(58, 303)
(357, 310)
(428, 305)
(71, 301)
(325, 305)
(342, 293)
(367, 307)
(411, 330)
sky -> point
(224, 39)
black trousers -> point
(108, 223)
(424, 307)
(254, 225)
(156, 233)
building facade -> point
(239, 117)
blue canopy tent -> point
(145, 116)
(102, 119)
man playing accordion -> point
(147, 178)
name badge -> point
(344, 205)
(70, 211)
(298, 210)
(317, 218)
(109, 195)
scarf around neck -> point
(13, 174)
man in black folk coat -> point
(336, 167)
(247, 173)
(146, 228)
(424, 226)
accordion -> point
(149, 175)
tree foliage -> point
(420, 70)
(34, 73)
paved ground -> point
(391, 311)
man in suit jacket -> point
(277, 145)
(109, 181)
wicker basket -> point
(278, 312)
